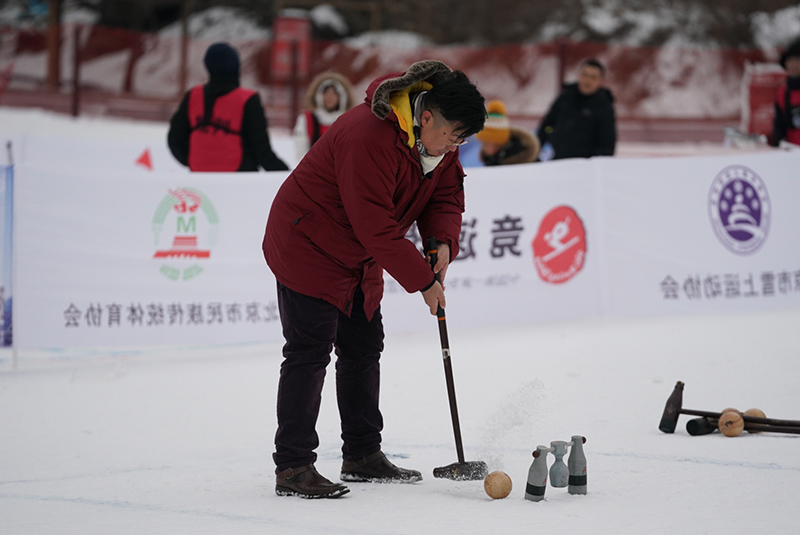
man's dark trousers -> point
(312, 327)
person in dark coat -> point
(786, 126)
(220, 126)
(502, 143)
(336, 223)
(581, 122)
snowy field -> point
(179, 440)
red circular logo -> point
(559, 247)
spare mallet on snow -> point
(705, 425)
(674, 408)
(462, 470)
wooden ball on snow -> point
(731, 424)
(755, 412)
(497, 485)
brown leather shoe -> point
(376, 468)
(306, 482)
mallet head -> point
(672, 410)
(701, 426)
(462, 471)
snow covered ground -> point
(178, 440)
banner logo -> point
(185, 225)
(740, 209)
(559, 247)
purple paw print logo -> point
(740, 210)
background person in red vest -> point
(220, 126)
(786, 126)
(329, 95)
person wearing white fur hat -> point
(503, 144)
(328, 96)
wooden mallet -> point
(674, 408)
(705, 426)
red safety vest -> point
(788, 101)
(216, 144)
(314, 128)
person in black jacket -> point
(786, 125)
(581, 122)
(220, 126)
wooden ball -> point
(755, 412)
(731, 424)
(730, 409)
(497, 485)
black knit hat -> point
(793, 51)
(222, 60)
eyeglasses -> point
(457, 143)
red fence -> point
(139, 74)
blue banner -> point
(7, 251)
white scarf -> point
(427, 161)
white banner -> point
(500, 275)
(701, 235)
(122, 258)
(134, 259)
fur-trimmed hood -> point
(391, 93)
(419, 76)
(342, 86)
(530, 146)
(522, 147)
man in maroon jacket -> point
(336, 223)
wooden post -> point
(54, 45)
(76, 72)
(294, 84)
(184, 69)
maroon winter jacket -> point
(341, 216)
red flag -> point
(144, 160)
